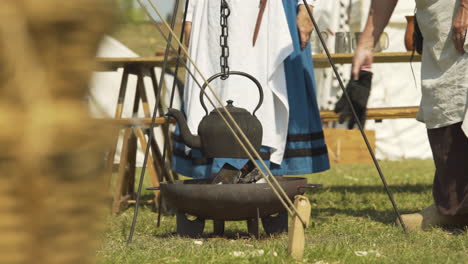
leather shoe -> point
(430, 217)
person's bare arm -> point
(379, 15)
(189, 16)
(460, 26)
(187, 32)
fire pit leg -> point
(276, 224)
(252, 225)
(218, 227)
(189, 228)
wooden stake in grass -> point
(297, 228)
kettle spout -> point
(189, 139)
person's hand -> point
(187, 32)
(460, 27)
(304, 25)
(363, 57)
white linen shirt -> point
(444, 71)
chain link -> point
(223, 39)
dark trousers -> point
(450, 150)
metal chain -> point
(223, 40)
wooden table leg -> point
(143, 96)
(165, 128)
(118, 114)
(124, 190)
(167, 138)
(129, 179)
(143, 142)
(151, 168)
(165, 172)
(118, 191)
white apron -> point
(444, 70)
(264, 62)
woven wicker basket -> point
(52, 158)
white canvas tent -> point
(393, 84)
(105, 89)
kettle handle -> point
(259, 86)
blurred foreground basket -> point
(51, 163)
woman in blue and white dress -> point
(293, 140)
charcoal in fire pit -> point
(251, 177)
(227, 175)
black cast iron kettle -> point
(214, 138)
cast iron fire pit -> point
(230, 202)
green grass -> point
(351, 213)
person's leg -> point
(450, 189)
(450, 150)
